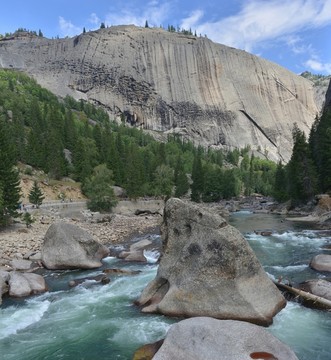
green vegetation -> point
(98, 188)
(28, 219)
(36, 196)
(64, 137)
(309, 169)
(9, 177)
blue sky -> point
(293, 33)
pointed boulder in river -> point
(207, 268)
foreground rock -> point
(321, 262)
(67, 246)
(208, 269)
(206, 338)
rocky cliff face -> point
(328, 98)
(170, 82)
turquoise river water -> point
(100, 321)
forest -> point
(68, 138)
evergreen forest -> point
(68, 138)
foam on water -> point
(289, 268)
(13, 319)
(152, 256)
(142, 330)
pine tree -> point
(280, 185)
(320, 146)
(300, 169)
(197, 178)
(9, 177)
(36, 196)
(180, 179)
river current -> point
(93, 321)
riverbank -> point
(18, 241)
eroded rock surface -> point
(67, 246)
(170, 82)
(206, 338)
(208, 269)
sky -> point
(295, 34)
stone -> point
(318, 287)
(25, 284)
(210, 93)
(321, 262)
(20, 264)
(4, 277)
(67, 246)
(136, 251)
(206, 338)
(135, 255)
(207, 268)
(140, 245)
(146, 352)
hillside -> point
(212, 94)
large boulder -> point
(321, 262)
(25, 284)
(208, 269)
(206, 338)
(67, 246)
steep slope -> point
(170, 82)
(328, 98)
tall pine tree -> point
(301, 171)
(9, 178)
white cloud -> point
(318, 66)
(260, 21)
(194, 17)
(155, 13)
(94, 19)
(67, 28)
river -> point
(100, 321)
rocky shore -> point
(19, 241)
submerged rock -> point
(208, 269)
(67, 246)
(206, 338)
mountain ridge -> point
(174, 83)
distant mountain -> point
(174, 83)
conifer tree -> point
(180, 179)
(36, 196)
(280, 186)
(320, 146)
(197, 178)
(301, 172)
(9, 177)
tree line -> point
(309, 170)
